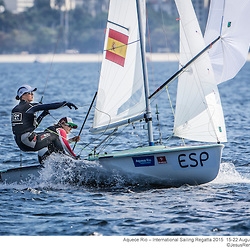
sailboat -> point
(123, 98)
(123, 93)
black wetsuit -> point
(24, 122)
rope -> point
(170, 101)
(47, 78)
(166, 33)
(92, 102)
(101, 134)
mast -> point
(145, 75)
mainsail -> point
(198, 114)
(121, 93)
(230, 20)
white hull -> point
(191, 165)
(156, 165)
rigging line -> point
(86, 118)
(173, 111)
(180, 71)
(90, 143)
(117, 47)
(158, 125)
(167, 41)
(46, 82)
(105, 140)
(105, 145)
(170, 101)
(53, 132)
(56, 132)
(107, 127)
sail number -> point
(192, 159)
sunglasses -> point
(68, 125)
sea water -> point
(55, 206)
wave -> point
(59, 170)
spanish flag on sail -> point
(116, 47)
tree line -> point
(41, 29)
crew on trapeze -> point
(62, 129)
(24, 122)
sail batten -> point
(126, 28)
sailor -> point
(24, 121)
(62, 129)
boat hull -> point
(20, 174)
(192, 165)
(156, 165)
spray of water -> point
(228, 175)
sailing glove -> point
(70, 105)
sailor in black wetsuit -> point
(24, 121)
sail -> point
(229, 19)
(121, 94)
(198, 113)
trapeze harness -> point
(24, 122)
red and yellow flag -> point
(116, 47)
